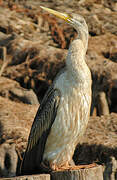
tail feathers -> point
(31, 162)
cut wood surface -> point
(94, 173)
(31, 177)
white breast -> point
(70, 123)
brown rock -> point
(12, 90)
(8, 160)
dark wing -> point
(40, 130)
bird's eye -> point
(70, 15)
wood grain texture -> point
(31, 177)
(94, 173)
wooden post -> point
(103, 108)
(31, 177)
(94, 173)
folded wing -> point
(40, 130)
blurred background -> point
(33, 48)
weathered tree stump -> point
(94, 173)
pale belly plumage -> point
(69, 125)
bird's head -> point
(75, 20)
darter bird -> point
(64, 112)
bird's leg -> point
(70, 166)
(61, 167)
(65, 166)
(82, 166)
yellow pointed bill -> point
(63, 16)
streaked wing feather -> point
(39, 132)
(44, 117)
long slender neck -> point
(83, 36)
(77, 68)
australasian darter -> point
(64, 112)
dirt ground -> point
(33, 48)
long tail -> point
(31, 162)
